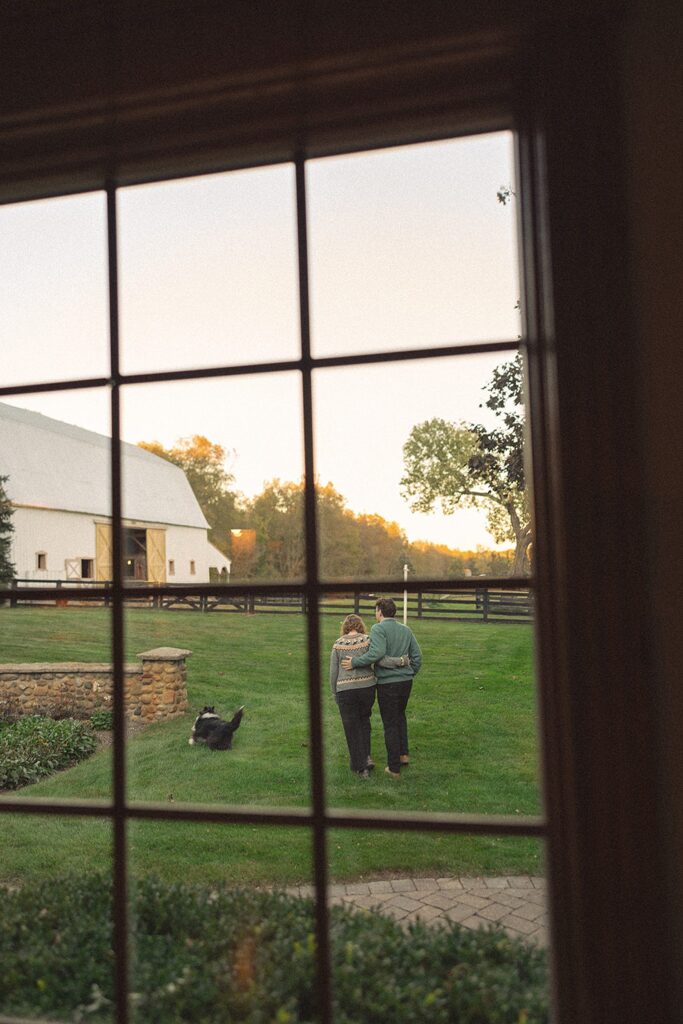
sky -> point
(407, 247)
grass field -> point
(473, 749)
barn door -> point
(103, 559)
(73, 568)
(156, 556)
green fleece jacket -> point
(389, 637)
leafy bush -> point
(102, 719)
(215, 954)
(34, 747)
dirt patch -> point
(105, 737)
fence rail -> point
(480, 603)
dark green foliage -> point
(459, 465)
(34, 747)
(103, 719)
(216, 954)
(7, 570)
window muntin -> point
(313, 591)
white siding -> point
(60, 535)
(68, 535)
(184, 544)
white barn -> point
(59, 485)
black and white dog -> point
(211, 729)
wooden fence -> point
(479, 603)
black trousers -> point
(393, 700)
(355, 708)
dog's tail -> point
(237, 718)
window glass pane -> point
(411, 248)
(55, 453)
(219, 928)
(421, 464)
(461, 924)
(245, 658)
(56, 914)
(55, 651)
(53, 290)
(209, 271)
(461, 734)
(220, 481)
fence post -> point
(251, 606)
(303, 604)
(485, 604)
(13, 598)
(356, 602)
(419, 604)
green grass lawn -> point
(473, 749)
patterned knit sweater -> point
(345, 679)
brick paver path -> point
(514, 903)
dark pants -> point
(355, 707)
(393, 700)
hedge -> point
(34, 747)
(217, 955)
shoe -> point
(404, 759)
(365, 774)
(394, 775)
(371, 764)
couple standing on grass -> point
(386, 660)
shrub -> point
(214, 954)
(34, 747)
(103, 719)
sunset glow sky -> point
(408, 247)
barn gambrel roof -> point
(55, 465)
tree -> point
(203, 463)
(7, 570)
(349, 545)
(277, 516)
(465, 464)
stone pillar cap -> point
(165, 654)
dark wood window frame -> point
(347, 80)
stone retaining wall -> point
(154, 690)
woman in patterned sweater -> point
(354, 691)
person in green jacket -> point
(391, 638)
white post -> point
(405, 596)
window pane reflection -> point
(219, 930)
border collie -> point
(211, 729)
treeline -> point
(264, 535)
(350, 545)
